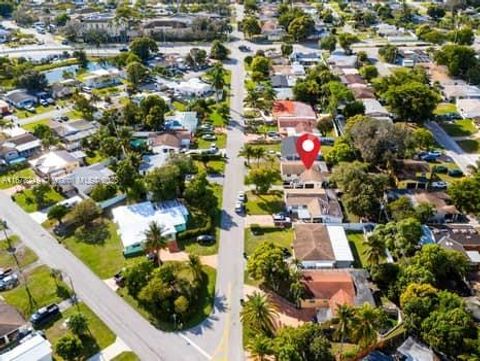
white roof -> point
(53, 161)
(474, 256)
(373, 107)
(34, 348)
(14, 131)
(469, 108)
(461, 91)
(338, 239)
(133, 220)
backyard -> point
(357, 245)
(445, 108)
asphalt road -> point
(145, 340)
(452, 149)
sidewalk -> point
(111, 351)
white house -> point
(103, 78)
(469, 108)
(55, 164)
(31, 348)
(133, 220)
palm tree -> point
(195, 266)
(259, 347)
(259, 153)
(374, 249)
(248, 152)
(366, 322)
(345, 316)
(253, 98)
(154, 241)
(259, 314)
(217, 79)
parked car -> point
(455, 173)
(439, 185)
(440, 169)
(244, 49)
(239, 207)
(209, 137)
(119, 279)
(44, 314)
(205, 239)
(124, 49)
(9, 282)
(86, 89)
(241, 197)
(5, 272)
(43, 102)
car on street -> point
(244, 49)
(44, 314)
(5, 272)
(241, 197)
(205, 239)
(239, 207)
(124, 49)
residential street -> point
(452, 149)
(146, 341)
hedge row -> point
(195, 232)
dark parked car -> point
(5, 272)
(441, 169)
(205, 239)
(45, 314)
(455, 173)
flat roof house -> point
(321, 246)
(452, 93)
(103, 78)
(72, 133)
(374, 109)
(133, 220)
(32, 348)
(55, 164)
(316, 205)
(182, 121)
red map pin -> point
(308, 146)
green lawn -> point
(216, 119)
(94, 157)
(102, 255)
(355, 240)
(276, 147)
(203, 307)
(126, 356)
(445, 108)
(221, 141)
(100, 338)
(22, 114)
(280, 237)
(213, 166)
(469, 145)
(179, 106)
(11, 179)
(74, 114)
(26, 200)
(109, 91)
(42, 288)
(30, 127)
(264, 204)
(460, 128)
(25, 255)
(191, 246)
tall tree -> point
(155, 241)
(217, 79)
(259, 314)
